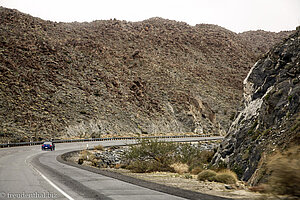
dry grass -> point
(196, 170)
(180, 168)
(224, 176)
(86, 155)
(99, 147)
(227, 178)
(206, 175)
(229, 172)
(285, 172)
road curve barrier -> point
(209, 137)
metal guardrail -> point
(5, 145)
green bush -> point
(148, 166)
(161, 156)
(151, 155)
(152, 149)
(206, 175)
(138, 167)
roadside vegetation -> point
(185, 159)
(283, 170)
(152, 155)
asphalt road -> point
(29, 173)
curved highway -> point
(29, 173)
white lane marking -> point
(55, 186)
(50, 182)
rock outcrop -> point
(270, 118)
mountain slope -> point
(118, 77)
(270, 119)
(261, 41)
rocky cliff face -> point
(270, 118)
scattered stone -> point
(228, 187)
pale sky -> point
(235, 15)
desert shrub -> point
(285, 173)
(94, 162)
(206, 175)
(196, 170)
(148, 166)
(225, 177)
(180, 168)
(193, 155)
(167, 156)
(99, 147)
(86, 155)
(138, 166)
(157, 156)
(188, 176)
(152, 149)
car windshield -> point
(47, 142)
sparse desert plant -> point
(167, 156)
(180, 168)
(193, 155)
(227, 177)
(156, 156)
(99, 147)
(196, 170)
(86, 155)
(188, 176)
(147, 166)
(206, 175)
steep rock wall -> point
(270, 117)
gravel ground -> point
(179, 181)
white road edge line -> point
(50, 182)
(55, 186)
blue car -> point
(48, 145)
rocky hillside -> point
(261, 41)
(270, 119)
(118, 77)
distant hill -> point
(117, 77)
(261, 41)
